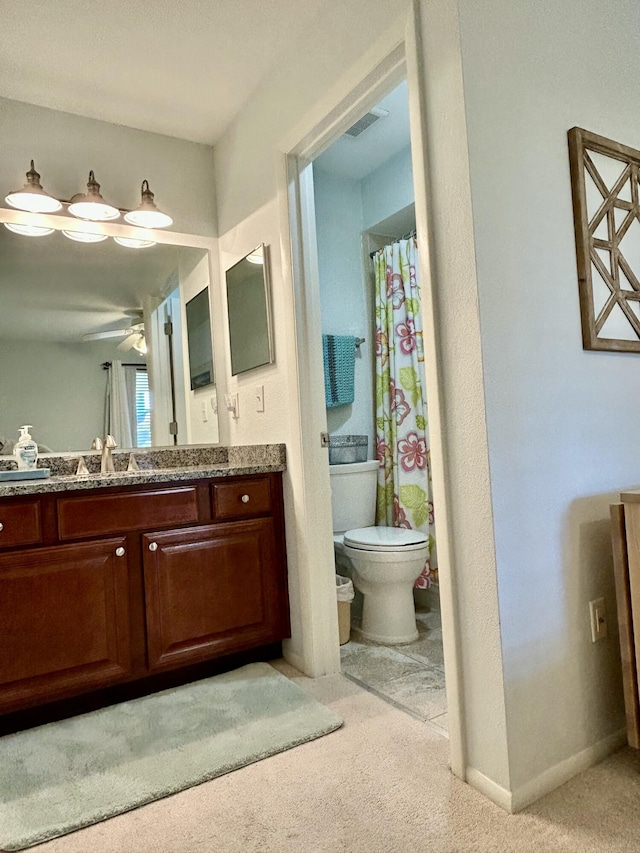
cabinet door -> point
(64, 621)
(213, 590)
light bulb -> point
(130, 243)
(28, 230)
(85, 236)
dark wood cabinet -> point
(64, 620)
(157, 579)
(210, 590)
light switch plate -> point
(259, 398)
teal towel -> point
(339, 356)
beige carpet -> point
(378, 785)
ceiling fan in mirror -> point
(134, 337)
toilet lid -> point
(385, 539)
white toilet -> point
(385, 561)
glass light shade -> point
(91, 205)
(32, 197)
(130, 243)
(85, 236)
(141, 345)
(256, 257)
(28, 230)
(147, 215)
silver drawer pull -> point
(245, 499)
(120, 551)
(153, 546)
(1, 526)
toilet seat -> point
(383, 539)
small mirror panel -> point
(199, 340)
(248, 302)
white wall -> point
(388, 189)
(65, 147)
(343, 294)
(562, 422)
(57, 387)
(318, 73)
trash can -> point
(344, 590)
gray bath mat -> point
(69, 774)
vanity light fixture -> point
(131, 243)
(147, 215)
(32, 197)
(91, 205)
(28, 230)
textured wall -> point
(562, 422)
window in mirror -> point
(199, 340)
(249, 312)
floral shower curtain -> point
(404, 496)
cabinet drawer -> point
(91, 516)
(20, 524)
(241, 499)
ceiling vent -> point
(366, 121)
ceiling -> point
(182, 68)
(357, 157)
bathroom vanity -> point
(110, 579)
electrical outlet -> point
(259, 398)
(598, 613)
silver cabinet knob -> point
(245, 499)
(120, 552)
(1, 526)
(153, 546)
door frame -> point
(396, 56)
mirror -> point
(69, 308)
(248, 302)
(199, 340)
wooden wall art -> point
(606, 212)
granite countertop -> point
(156, 466)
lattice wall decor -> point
(606, 211)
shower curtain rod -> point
(404, 237)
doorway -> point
(364, 201)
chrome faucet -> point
(106, 460)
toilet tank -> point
(353, 495)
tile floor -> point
(411, 677)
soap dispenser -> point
(26, 450)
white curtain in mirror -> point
(120, 408)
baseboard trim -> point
(560, 773)
(496, 793)
(291, 657)
(525, 795)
